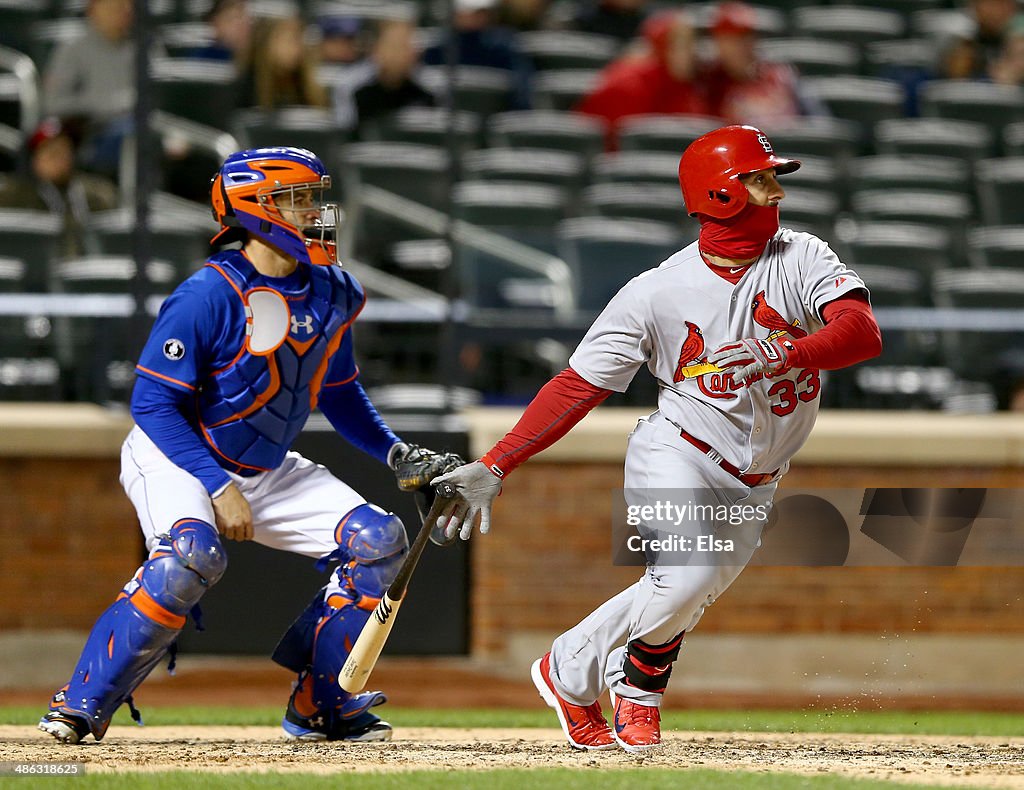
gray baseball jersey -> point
(671, 317)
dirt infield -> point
(952, 761)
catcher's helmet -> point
(274, 193)
(711, 166)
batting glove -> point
(474, 489)
(751, 355)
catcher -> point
(240, 354)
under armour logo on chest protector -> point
(306, 324)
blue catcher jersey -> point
(255, 351)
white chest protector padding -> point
(267, 320)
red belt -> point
(747, 479)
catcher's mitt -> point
(416, 466)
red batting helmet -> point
(711, 166)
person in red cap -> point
(735, 328)
(741, 87)
(661, 81)
(55, 184)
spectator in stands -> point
(523, 15)
(92, 76)
(393, 84)
(341, 40)
(1008, 67)
(231, 26)
(283, 68)
(54, 184)
(621, 19)
(741, 87)
(480, 42)
(971, 54)
(660, 80)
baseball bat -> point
(370, 643)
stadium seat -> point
(658, 202)
(426, 126)
(415, 172)
(568, 49)
(812, 210)
(886, 58)
(828, 138)
(816, 173)
(110, 274)
(812, 57)
(11, 145)
(12, 275)
(943, 210)
(561, 89)
(940, 24)
(181, 240)
(1001, 190)
(636, 167)
(34, 237)
(312, 128)
(559, 168)
(973, 353)
(914, 172)
(998, 248)
(851, 24)
(892, 286)
(905, 7)
(526, 213)
(481, 90)
(508, 204)
(605, 254)
(563, 131)
(16, 20)
(202, 91)
(1013, 139)
(861, 100)
(668, 133)
(20, 101)
(973, 100)
(181, 38)
(933, 137)
(900, 245)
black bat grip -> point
(396, 591)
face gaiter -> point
(741, 237)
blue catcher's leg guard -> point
(136, 631)
(371, 546)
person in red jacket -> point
(741, 87)
(661, 81)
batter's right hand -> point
(233, 514)
(475, 487)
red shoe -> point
(637, 727)
(584, 727)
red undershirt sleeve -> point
(560, 404)
(850, 335)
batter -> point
(735, 328)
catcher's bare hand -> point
(475, 488)
(233, 514)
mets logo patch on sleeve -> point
(174, 349)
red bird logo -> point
(692, 350)
(768, 317)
